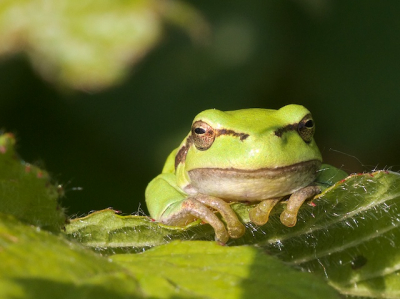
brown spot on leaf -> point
(358, 262)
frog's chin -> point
(252, 185)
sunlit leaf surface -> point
(207, 270)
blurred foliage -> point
(87, 44)
(338, 58)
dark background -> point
(338, 58)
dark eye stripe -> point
(305, 128)
(290, 127)
(181, 155)
(242, 136)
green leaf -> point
(349, 234)
(200, 269)
(355, 244)
(107, 232)
(90, 44)
(37, 264)
(26, 191)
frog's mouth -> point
(252, 185)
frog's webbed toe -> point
(295, 201)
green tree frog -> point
(250, 155)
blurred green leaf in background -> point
(87, 45)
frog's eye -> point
(306, 128)
(203, 135)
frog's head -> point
(251, 143)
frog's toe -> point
(236, 231)
(221, 237)
(288, 219)
(259, 215)
(295, 201)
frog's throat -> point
(252, 185)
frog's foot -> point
(295, 201)
(198, 206)
(198, 210)
(259, 215)
(235, 228)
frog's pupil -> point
(309, 123)
(199, 131)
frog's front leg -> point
(168, 204)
